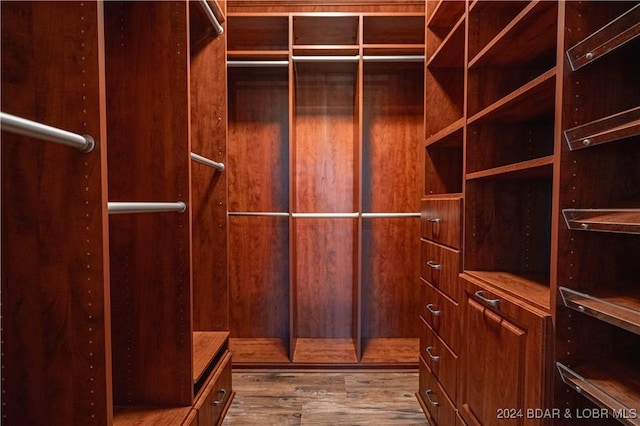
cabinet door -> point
(506, 357)
(494, 364)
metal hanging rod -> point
(328, 58)
(393, 58)
(145, 207)
(22, 126)
(207, 162)
(325, 215)
(379, 215)
(212, 16)
(276, 214)
(257, 64)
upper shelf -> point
(258, 33)
(393, 29)
(444, 13)
(517, 44)
(449, 54)
(533, 100)
(316, 29)
(615, 127)
(626, 221)
(610, 37)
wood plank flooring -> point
(294, 397)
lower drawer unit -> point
(441, 313)
(439, 409)
(217, 394)
(442, 362)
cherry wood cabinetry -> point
(119, 318)
(598, 311)
(537, 132)
(326, 117)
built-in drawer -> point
(442, 314)
(216, 396)
(441, 219)
(440, 359)
(440, 266)
(441, 409)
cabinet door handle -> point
(223, 393)
(434, 265)
(491, 302)
(429, 392)
(431, 309)
(434, 220)
(434, 358)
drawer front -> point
(440, 408)
(440, 220)
(441, 360)
(442, 315)
(216, 395)
(440, 266)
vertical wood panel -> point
(325, 249)
(208, 186)
(326, 143)
(148, 124)
(55, 331)
(258, 140)
(259, 276)
(392, 138)
(390, 267)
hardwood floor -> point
(286, 397)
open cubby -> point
(247, 33)
(508, 227)
(443, 164)
(319, 29)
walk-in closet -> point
(233, 211)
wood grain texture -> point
(352, 6)
(259, 276)
(326, 129)
(446, 230)
(392, 152)
(508, 225)
(390, 264)
(442, 361)
(434, 400)
(208, 102)
(313, 398)
(325, 278)
(258, 140)
(517, 374)
(55, 278)
(442, 314)
(148, 125)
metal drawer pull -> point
(219, 401)
(435, 358)
(434, 219)
(431, 309)
(434, 265)
(427, 393)
(491, 302)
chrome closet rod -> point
(391, 58)
(22, 126)
(278, 214)
(325, 215)
(207, 162)
(256, 64)
(211, 16)
(116, 207)
(328, 58)
(377, 215)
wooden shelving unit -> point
(346, 85)
(113, 294)
(599, 299)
